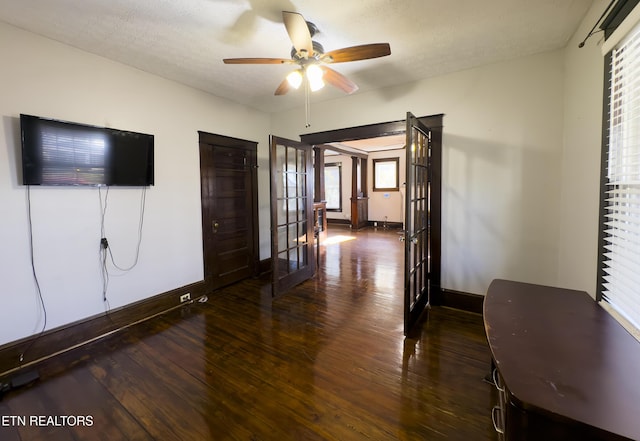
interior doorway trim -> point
(368, 131)
(435, 123)
(354, 133)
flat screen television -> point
(65, 153)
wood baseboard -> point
(38, 348)
(338, 221)
(264, 266)
(382, 225)
(460, 300)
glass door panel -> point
(291, 213)
(417, 228)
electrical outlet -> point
(185, 297)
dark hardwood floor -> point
(326, 361)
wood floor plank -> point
(35, 402)
(326, 361)
(9, 423)
(81, 391)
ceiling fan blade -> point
(283, 88)
(257, 61)
(338, 80)
(355, 53)
(298, 33)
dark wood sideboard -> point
(564, 368)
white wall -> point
(387, 205)
(503, 134)
(45, 78)
(578, 216)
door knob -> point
(215, 225)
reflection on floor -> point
(325, 361)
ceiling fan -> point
(311, 59)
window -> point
(385, 174)
(333, 186)
(619, 269)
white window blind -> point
(621, 260)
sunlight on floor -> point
(337, 239)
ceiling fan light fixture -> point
(314, 74)
(316, 85)
(295, 79)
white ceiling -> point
(381, 143)
(186, 40)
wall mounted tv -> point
(65, 153)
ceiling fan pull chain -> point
(307, 105)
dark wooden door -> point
(229, 209)
(417, 234)
(292, 232)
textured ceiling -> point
(186, 40)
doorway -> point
(435, 124)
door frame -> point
(435, 123)
(252, 148)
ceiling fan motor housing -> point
(313, 29)
(317, 51)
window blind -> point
(621, 259)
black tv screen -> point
(64, 153)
